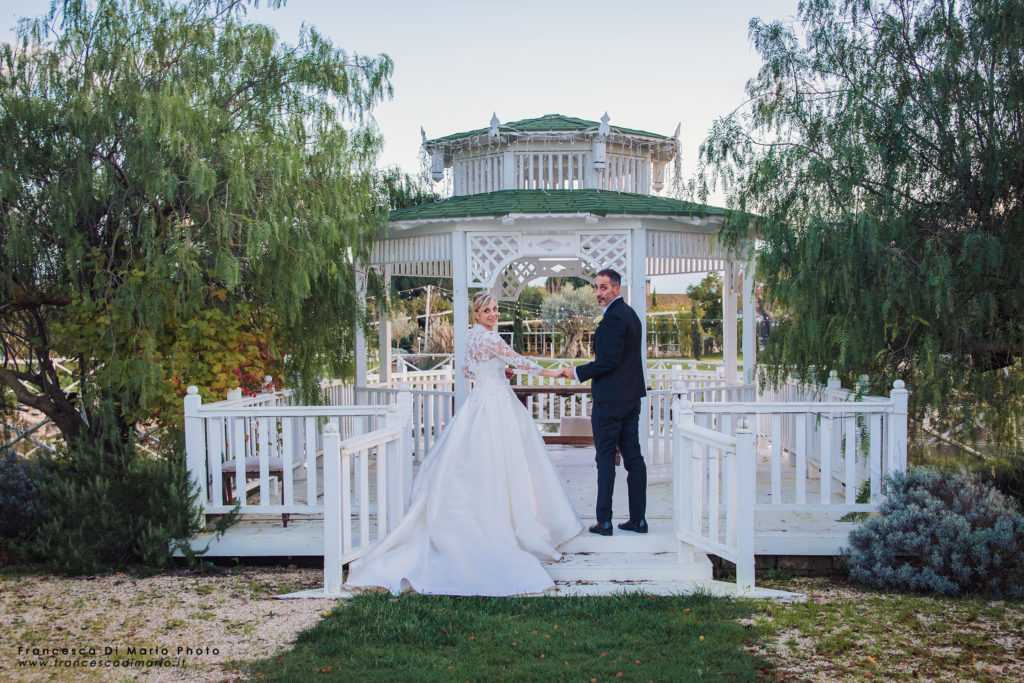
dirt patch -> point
(174, 626)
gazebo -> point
(557, 196)
(741, 470)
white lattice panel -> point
(487, 255)
(518, 274)
(513, 278)
(607, 250)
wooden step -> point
(619, 566)
(622, 542)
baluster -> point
(214, 459)
(826, 461)
(287, 449)
(364, 497)
(875, 458)
(852, 483)
(730, 463)
(776, 438)
(801, 458)
(311, 450)
(264, 441)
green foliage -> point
(696, 333)
(169, 172)
(441, 638)
(106, 505)
(573, 312)
(707, 295)
(531, 298)
(683, 321)
(941, 532)
(518, 342)
(20, 507)
(881, 149)
(1007, 475)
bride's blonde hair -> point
(482, 299)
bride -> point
(487, 503)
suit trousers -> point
(616, 426)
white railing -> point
(432, 410)
(846, 447)
(550, 170)
(626, 174)
(367, 482)
(425, 380)
(714, 492)
(549, 408)
(662, 377)
(659, 435)
(277, 446)
(478, 174)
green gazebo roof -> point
(597, 202)
(548, 122)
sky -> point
(651, 64)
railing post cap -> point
(331, 429)
(833, 374)
(267, 379)
(899, 384)
(192, 390)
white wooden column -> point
(638, 300)
(384, 327)
(360, 341)
(460, 306)
(729, 320)
(749, 323)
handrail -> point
(378, 437)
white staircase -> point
(626, 557)
(629, 563)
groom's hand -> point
(568, 373)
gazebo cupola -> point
(553, 152)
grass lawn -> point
(841, 633)
(636, 638)
(850, 633)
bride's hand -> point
(509, 373)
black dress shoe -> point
(638, 527)
(603, 528)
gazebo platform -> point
(775, 533)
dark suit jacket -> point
(617, 369)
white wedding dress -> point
(487, 503)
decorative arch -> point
(504, 262)
(518, 274)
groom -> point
(618, 386)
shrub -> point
(19, 502)
(942, 532)
(107, 505)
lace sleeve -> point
(483, 346)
